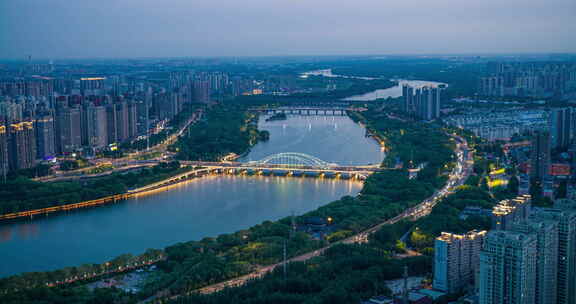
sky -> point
(173, 28)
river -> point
(393, 92)
(200, 208)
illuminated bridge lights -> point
(293, 159)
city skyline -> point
(257, 28)
(290, 151)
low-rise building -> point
(500, 125)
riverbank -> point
(227, 129)
(404, 136)
(179, 176)
(22, 197)
(385, 195)
(360, 86)
(355, 269)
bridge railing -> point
(293, 159)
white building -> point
(456, 259)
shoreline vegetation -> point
(22, 194)
(358, 87)
(191, 265)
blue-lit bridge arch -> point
(293, 159)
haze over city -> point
(288, 151)
(147, 28)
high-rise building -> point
(132, 119)
(540, 155)
(511, 211)
(21, 146)
(536, 79)
(546, 232)
(92, 85)
(456, 259)
(111, 123)
(508, 268)
(423, 103)
(560, 127)
(122, 121)
(116, 85)
(564, 213)
(174, 105)
(3, 151)
(428, 103)
(95, 127)
(408, 96)
(143, 115)
(201, 91)
(68, 130)
(45, 137)
(11, 111)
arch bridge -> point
(293, 160)
(281, 164)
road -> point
(457, 177)
(126, 163)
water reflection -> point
(393, 92)
(334, 139)
(203, 207)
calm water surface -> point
(393, 92)
(197, 209)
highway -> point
(457, 177)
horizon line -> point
(466, 54)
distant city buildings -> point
(92, 85)
(201, 91)
(540, 156)
(80, 112)
(423, 103)
(68, 130)
(45, 137)
(21, 145)
(561, 127)
(533, 79)
(95, 126)
(500, 125)
(3, 151)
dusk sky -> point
(154, 28)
